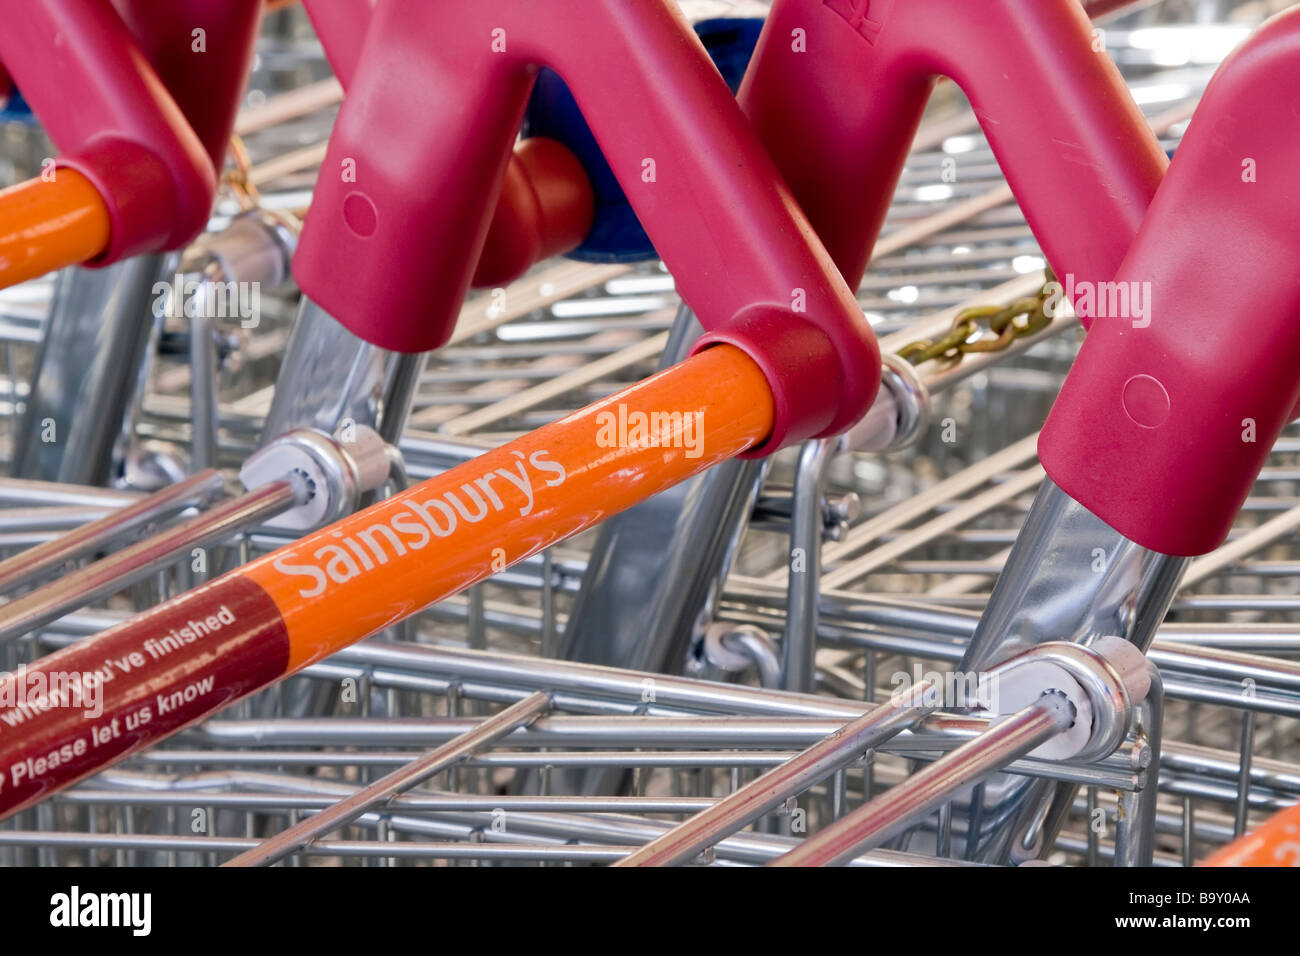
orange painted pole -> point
(1276, 843)
(48, 224)
(187, 658)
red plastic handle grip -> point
(420, 149)
(546, 208)
(1167, 417)
(207, 85)
(341, 28)
(837, 88)
(546, 205)
(112, 113)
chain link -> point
(970, 328)
(238, 178)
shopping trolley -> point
(1046, 716)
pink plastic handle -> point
(837, 89)
(341, 27)
(546, 205)
(114, 115)
(417, 156)
(208, 85)
(1166, 419)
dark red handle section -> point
(206, 85)
(421, 146)
(545, 209)
(1166, 418)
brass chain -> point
(1019, 320)
(238, 178)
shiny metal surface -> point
(629, 752)
(923, 792)
(137, 561)
(40, 562)
(330, 377)
(807, 526)
(1070, 577)
(90, 356)
(384, 790)
(744, 806)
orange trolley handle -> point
(1275, 843)
(186, 659)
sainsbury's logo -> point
(417, 523)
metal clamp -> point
(1102, 681)
(337, 472)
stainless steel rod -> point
(624, 830)
(923, 792)
(937, 733)
(683, 843)
(143, 558)
(799, 643)
(204, 417)
(386, 788)
(351, 848)
(44, 560)
(406, 802)
(18, 492)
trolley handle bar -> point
(124, 689)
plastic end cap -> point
(800, 365)
(137, 190)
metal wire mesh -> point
(900, 590)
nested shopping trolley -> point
(758, 664)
